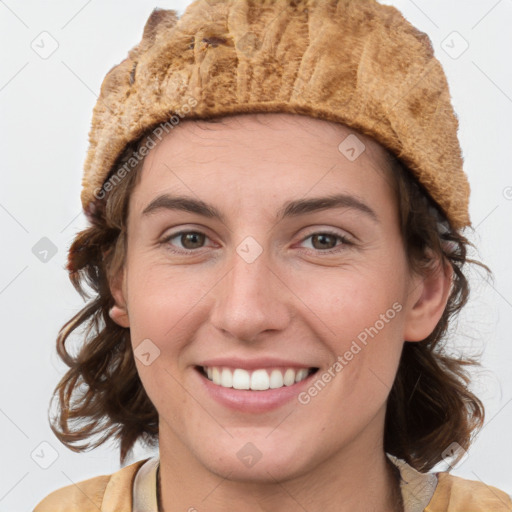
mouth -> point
(262, 379)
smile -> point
(256, 380)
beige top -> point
(134, 489)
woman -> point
(277, 206)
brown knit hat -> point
(355, 62)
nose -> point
(251, 299)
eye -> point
(190, 240)
(326, 241)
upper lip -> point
(253, 364)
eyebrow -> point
(290, 209)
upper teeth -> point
(258, 380)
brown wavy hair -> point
(101, 397)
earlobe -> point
(429, 297)
(119, 311)
(120, 315)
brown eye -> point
(185, 241)
(192, 240)
(324, 241)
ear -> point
(428, 297)
(119, 312)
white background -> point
(46, 107)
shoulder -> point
(455, 494)
(105, 492)
(84, 496)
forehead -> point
(269, 129)
(254, 155)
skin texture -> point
(305, 298)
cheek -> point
(359, 316)
(166, 307)
(348, 301)
(161, 300)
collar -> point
(417, 488)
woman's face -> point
(261, 249)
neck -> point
(357, 477)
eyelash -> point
(344, 242)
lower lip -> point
(253, 401)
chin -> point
(263, 471)
(260, 460)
